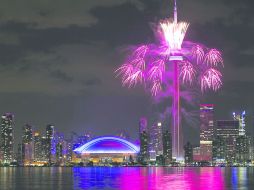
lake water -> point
(131, 178)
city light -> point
(107, 145)
(171, 64)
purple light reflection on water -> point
(173, 178)
(152, 178)
(132, 178)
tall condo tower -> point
(7, 137)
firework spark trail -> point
(187, 72)
(139, 63)
(133, 79)
(125, 71)
(149, 64)
(174, 33)
(213, 57)
(198, 53)
(211, 79)
(140, 52)
(157, 70)
(156, 87)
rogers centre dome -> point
(107, 148)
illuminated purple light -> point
(108, 145)
(108, 152)
(172, 63)
(198, 53)
(151, 67)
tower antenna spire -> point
(175, 12)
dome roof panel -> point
(108, 145)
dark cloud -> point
(58, 74)
(93, 82)
(118, 25)
(9, 54)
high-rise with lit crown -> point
(7, 138)
(206, 131)
(240, 117)
(37, 147)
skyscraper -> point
(69, 151)
(240, 117)
(44, 149)
(51, 148)
(196, 154)
(242, 149)
(37, 147)
(59, 152)
(27, 145)
(228, 130)
(156, 143)
(61, 148)
(219, 150)
(7, 138)
(167, 146)
(19, 154)
(144, 140)
(188, 153)
(27, 134)
(206, 131)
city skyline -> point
(207, 123)
(221, 142)
(118, 132)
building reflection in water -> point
(238, 177)
(174, 178)
(24, 178)
(127, 178)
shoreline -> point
(126, 166)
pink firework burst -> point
(134, 78)
(139, 63)
(140, 52)
(151, 64)
(213, 57)
(187, 72)
(157, 70)
(211, 79)
(198, 53)
(148, 65)
(156, 87)
(131, 75)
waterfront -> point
(140, 178)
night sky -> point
(57, 60)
